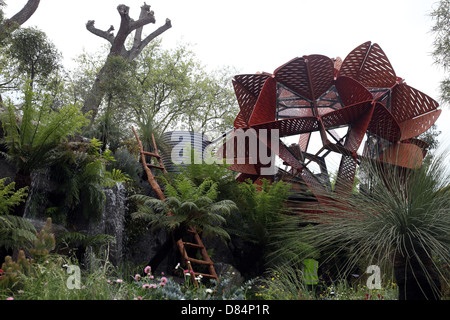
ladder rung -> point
(154, 166)
(199, 261)
(205, 275)
(193, 245)
(151, 154)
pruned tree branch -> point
(127, 26)
(136, 50)
(27, 11)
(146, 16)
(22, 16)
(145, 9)
(108, 35)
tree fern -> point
(188, 206)
(9, 197)
(35, 130)
(16, 232)
(83, 177)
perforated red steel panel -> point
(315, 93)
(408, 103)
(369, 65)
(265, 106)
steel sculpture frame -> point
(316, 93)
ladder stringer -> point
(197, 244)
(151, 179)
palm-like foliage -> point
(34, 132)
(82, 178)
(9, 197)
(14, 231)
(403, 222)
(185, 206)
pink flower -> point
(148, 269)
(119, 280)
(146, 286)
(162, 284)
(10, 298)
(164, 279)
(137, 277)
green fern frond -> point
(16, 232)
(190, 206)
(9, 197)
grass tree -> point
(402, 222)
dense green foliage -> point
(9, 197)
(402, 224)
(441, 52)
(185, 206)
(34, 138)
(82, 176)
(15, 231)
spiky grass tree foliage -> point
(402, 221)
(189, 206)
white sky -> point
(260, 35)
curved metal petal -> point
(369, 65)
(265, 107)
(408, 103)
(309, 76)
(404, 155)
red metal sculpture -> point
(317, 93)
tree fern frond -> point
(16, 232)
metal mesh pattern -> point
(316, 93)
(408, 103)
(265, 105)
(369, 65)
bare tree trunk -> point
(416, 277)
(127, 26)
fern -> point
(16, 232)
(188, 206)
(77, 239)
(9, 197)
(33, 140)
(83, 177)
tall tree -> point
(32, 54)
(441, 52)
(9, 24)
(127, 26)
(162, 89)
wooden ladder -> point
(182, 245)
